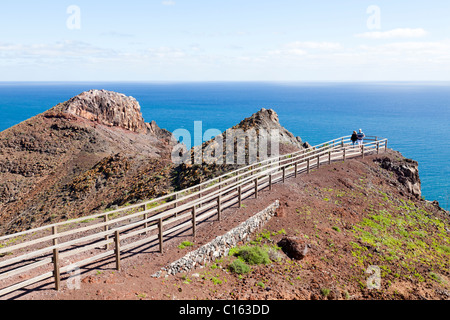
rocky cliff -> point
(83, 155)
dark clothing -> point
(354, 137)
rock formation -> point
(407, 172)
(108, 108)
(254, 139)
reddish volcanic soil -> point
(323, 208)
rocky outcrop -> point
(268, 119)
(294, 247)
(108, 108)
(256, 138)
(406, 170)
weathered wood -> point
(270, 182)
(240, 196)
(106, 228)
(219, 207)
(256, 188)
(56, 271)
(344, 154)
(318, 162)
(329, 157)
(194, 222)
(308, 168)
(160, 235)
(362, 151)
(146, 222)
(117, 249)
(295, 169)
(378, 148)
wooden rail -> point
(47, 249)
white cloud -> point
(394, 33)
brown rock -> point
(294, 247)
(108, 108)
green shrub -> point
(252, 255)
(239, 267)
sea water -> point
(413, 116)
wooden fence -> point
(46, 250)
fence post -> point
(106, 228)
(117, 249)
(270, 182)
(56, 272)
(145, 223)
(284, 173)
(362, 151)
(378, 147)
(307, 166)
(219, 207)
(385, 146)
(160, 227)
(256, 188)
(296, 167)
(344, 154)
(240, 196)
(194, 223)
(329, 157)
(318, 161)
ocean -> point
(413, 116)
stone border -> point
(221, 245)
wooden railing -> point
(47, 249)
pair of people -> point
(358, 137)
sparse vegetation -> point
(185, 244)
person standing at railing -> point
(354, 138)
(361, 137)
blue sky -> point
(208, 40)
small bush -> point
(252, 255)
(239, 267)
